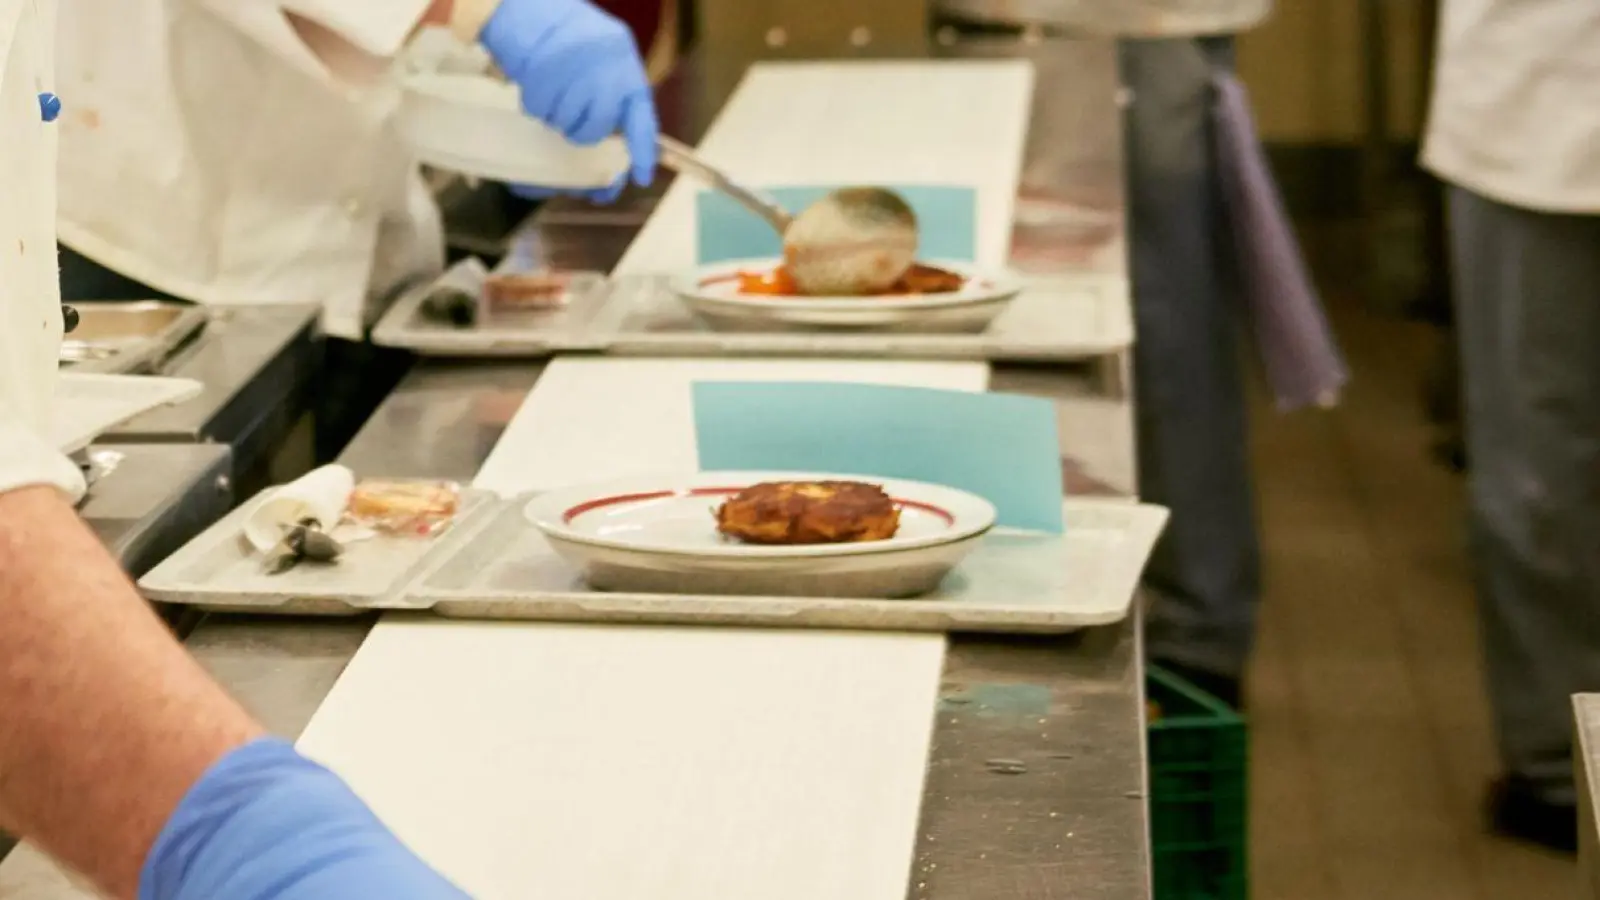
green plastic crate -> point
(1198, 794)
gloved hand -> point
(579, 71)
(265, 823)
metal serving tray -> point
(1067, 318)
(1054, 319)
(216, 571)
(409, 324)
(493, 564)
(1015, 582)
(123, 337)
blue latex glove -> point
(265, 823)
(579, 72)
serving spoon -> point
(855, 240)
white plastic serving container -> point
(458, 114)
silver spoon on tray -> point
(855, 240)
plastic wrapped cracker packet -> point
(400, 507)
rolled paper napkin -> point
(320, 495)
(1298, 352)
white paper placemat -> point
(615, 763)
(590, 419)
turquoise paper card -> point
(1002, 447)
(947, 220)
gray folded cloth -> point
(1301, 359)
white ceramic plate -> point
(713, 293)
(659, 535)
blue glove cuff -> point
(265, 823)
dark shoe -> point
(1222, 687)
(1516, 811)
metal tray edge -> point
(1144, 525)
(484, 505)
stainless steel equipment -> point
(681, 158)
(129, 336)
(257, 365)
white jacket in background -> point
(30, 295)
(1515, 115)
(241, 151)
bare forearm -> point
(105, 722)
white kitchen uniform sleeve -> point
(1516, 102)
(209, 151)
(349, 41)
(30, 294)
(379, 27)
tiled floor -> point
(1371, 745)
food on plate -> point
(919, 279)
(404, 507)
(809, 512)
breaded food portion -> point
(809, 512)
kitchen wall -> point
(1305, 70)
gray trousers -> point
(1192, 433)
(1527, 293)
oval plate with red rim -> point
(659, 536)
(674, 515)
(713, 293)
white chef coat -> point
(1515, 115)
(30, 295)
(242, 151)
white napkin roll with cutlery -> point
(321, 494)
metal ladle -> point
(855, 240)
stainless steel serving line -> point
(1074, 821)
(151, 499)
(1074, 826)
(256, 365)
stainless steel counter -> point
(256, 364)
(1074, 823)
(156, 497)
